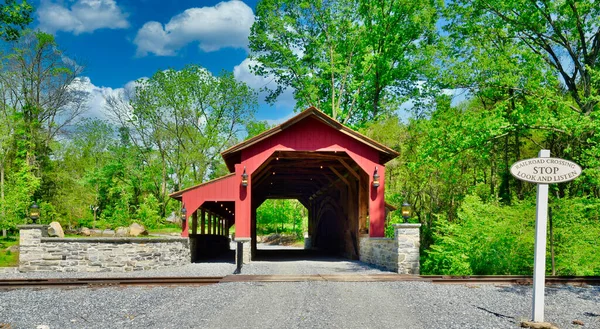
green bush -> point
(147, 213)
(487, 239)
(493, 239)
(577, 235)
(115, 215)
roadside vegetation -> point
(461, 89)
(8, 257)
(284, 221)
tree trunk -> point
(505, 186)
(3, 214)
(518, 183)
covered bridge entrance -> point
(335, 172)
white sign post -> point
(543, 170)
(539, 259)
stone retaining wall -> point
(400, 254)
(379, 251)
(38, 254)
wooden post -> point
(210, 218)
(214, 224)
(195, 222)
(202, 221)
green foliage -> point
(147, 213)
(576, 235)
(281, 216)
(14, 17)
(529, 70)
(254, 128)
(354, 59)
(492, 239)
(175, 125)
(18, 191)
(487, 239)
(8, 258)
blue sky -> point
(120, 41)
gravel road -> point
(317, 304)
(410, 305)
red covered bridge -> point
(335, 172)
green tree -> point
(180, 121)
(353, 59)
(40, 88)
(532, 67)
(282, 217)
(79, 165)
(254, 128)
(38, 102)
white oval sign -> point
(545, 170)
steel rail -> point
(106, 282)
(98, 282)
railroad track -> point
(106, 282)
(200, 281)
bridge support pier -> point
(246, 246)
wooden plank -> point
(337, 173)
(195, 222)
(350, 170)
(203, 221)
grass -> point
(165, 230)
(8, 258)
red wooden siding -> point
(218, 190)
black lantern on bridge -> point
(183, 215)
(244, 178)
(34, 212)
(376, 179)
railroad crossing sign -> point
(542, 170)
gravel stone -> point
(314, 304)
(410, 305)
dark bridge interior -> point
(333, 189)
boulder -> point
(173, 218)
(85, 231)
(96, 232)
(537, 325)
(122, 231)
(108, 232)
(56, 230)
(136, 229)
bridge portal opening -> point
(281, 225)
(330, 194)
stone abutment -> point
(41, 254)
(400, 254)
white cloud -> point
(83, 16)
(226, 25)
(97, 96)
(243, 73)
